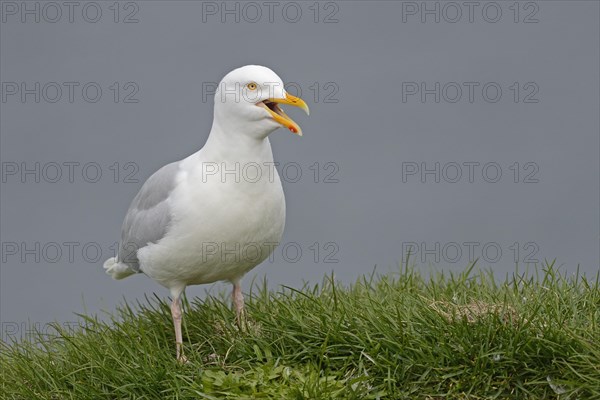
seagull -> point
(220, 212)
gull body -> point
(220, 212)
(214, 216)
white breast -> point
(222, 226)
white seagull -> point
(220, 212)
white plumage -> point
(220, 212)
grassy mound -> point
(451, 336)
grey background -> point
(368, 133)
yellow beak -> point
(271, 105)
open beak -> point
(272, 106)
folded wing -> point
(149, 215)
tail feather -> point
(117, 269)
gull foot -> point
(182, 359)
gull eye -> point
(251, 86)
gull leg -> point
(238, 302)
(177, 314)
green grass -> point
(442, 336)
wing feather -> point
(149, 214)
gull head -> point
(248, 101)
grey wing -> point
(148, 217)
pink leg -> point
(177, 314)
(238, 302)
